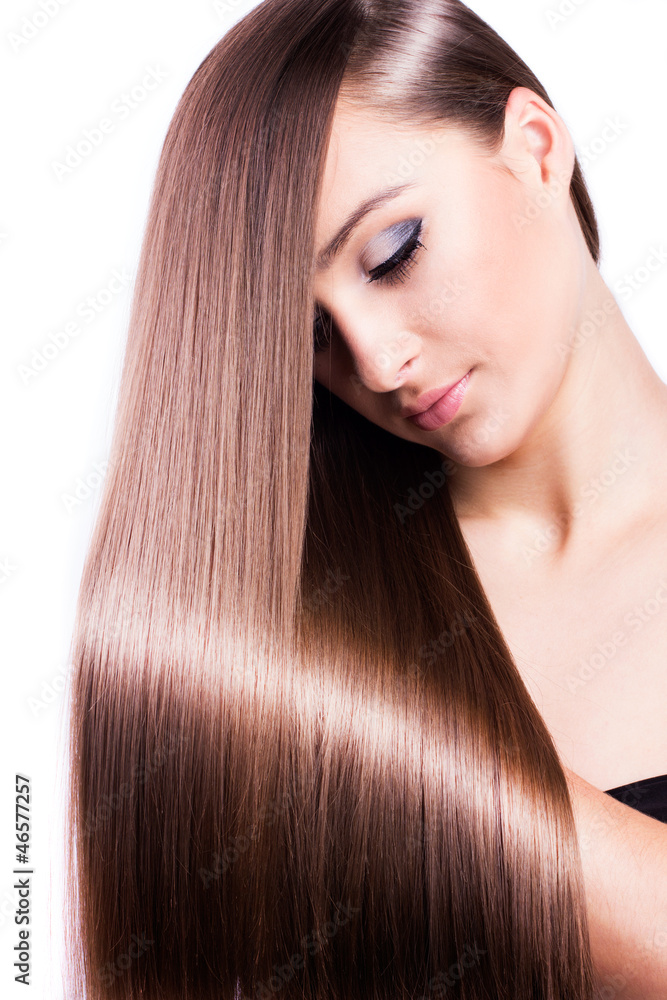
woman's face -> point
(491, 297)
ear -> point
(537, 147)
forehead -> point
(366, 153)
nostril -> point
(404, 371)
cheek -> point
(515, 277)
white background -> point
(62, 239)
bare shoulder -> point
(624, 859)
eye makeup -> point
(393, 269)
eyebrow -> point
(335, 245)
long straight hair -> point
(303, 762)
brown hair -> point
(303, 762)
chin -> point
(477, 446)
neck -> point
(592, 463)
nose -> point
(382, 353)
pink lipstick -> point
(443, 409)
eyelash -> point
(390, 271)
(395, 268)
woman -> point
(313, 749)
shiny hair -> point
(303, 762)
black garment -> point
(648, 796)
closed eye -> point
(393, 269)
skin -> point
(556, 483)
(567, 538)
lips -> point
(439, 406)
(426, 400)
